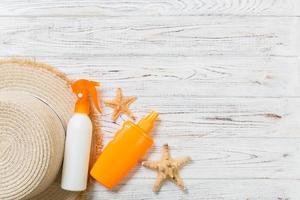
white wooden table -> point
(224, 74)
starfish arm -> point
(110, 103)
(119, 94)
(129, 114)
(150, 164)
(178, 181)
(165, 152)
(180, 162)
(115, 115)
(129, 100)
(159, 182)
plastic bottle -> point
(128, 146)
(78, 139)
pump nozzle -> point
(84, 88)
(147, 123)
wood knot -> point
(273, 116)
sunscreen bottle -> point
(79, 137)
(128, 146)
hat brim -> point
(49, 85)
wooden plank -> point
(204, 189)
(149, 36)
(148, 7)
(230, 158)
(188, 76)
(198, 109)
(200, 106)
(189, 118)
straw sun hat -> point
(35, 105)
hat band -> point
(41, 100)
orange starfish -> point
(120, 105)
(167, 168)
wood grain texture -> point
(231, 158)
(224, 74)
(189, 76)
(150, 36)
(149, 7)
(241, 111)
(192, 118)
(206, 189)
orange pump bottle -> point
(128, 146)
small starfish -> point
(167, 168)
(120, 105)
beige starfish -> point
(167, 168)
(120, 105)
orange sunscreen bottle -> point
(128, 146)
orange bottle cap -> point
(83, 89)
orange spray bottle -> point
(78, 138)
(128, 146)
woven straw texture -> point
(35, 105)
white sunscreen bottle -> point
(79, 137)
